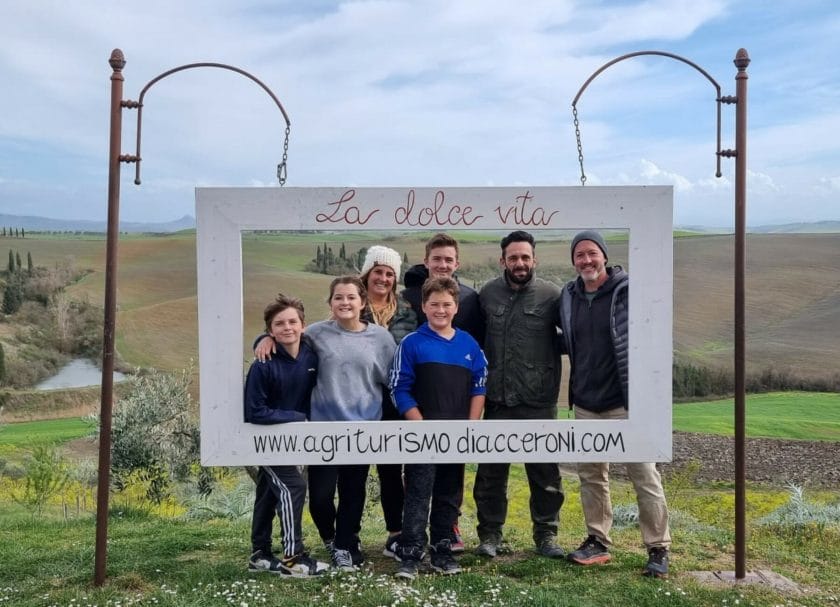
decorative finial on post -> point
(742, 59)
(117, 60)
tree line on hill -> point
(693, 382)
(326, 261)
(13, 232)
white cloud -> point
(388, 92)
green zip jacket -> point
(522, 344)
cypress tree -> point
(29, 262)
(22, 233)
(11, 266)
(12, 297)
(17, 260)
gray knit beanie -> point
(594, 237)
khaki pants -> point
(595, 494)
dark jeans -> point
(281, 489)
(490, 489)
(391, 488)
(391, 494)
(343, 523)
(440, 484)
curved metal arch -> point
(139, 104)
(718, 98)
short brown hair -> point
(281, 303)
(441, 240)
(440, 285)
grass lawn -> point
(159, 557)
(172, 561)
(793, 415)
(56, 431)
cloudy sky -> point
(420, 93)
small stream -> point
(77, 373)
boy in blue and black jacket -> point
(278, 391)
(439, 372)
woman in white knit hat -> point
(380, 274)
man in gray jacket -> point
(523, 381)
(594, 320)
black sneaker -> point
(392, 546)
(657, 565)
(548, 547)
(590, 552)
(263, 560)
(409, 568)
(442, 560)
(356, 554)
(302, 565)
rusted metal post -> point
(742, 60)
(117, 62)
(115, 158)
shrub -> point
(234, 504)
(799, 514)
(45, 475)
(153, 434)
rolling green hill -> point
(794, 415)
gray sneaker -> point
(548, 547)
(488, 547)
(409, 568)
(342, 560)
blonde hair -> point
(385, 314)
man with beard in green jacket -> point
(523, 382)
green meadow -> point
(25, 435)
(790, 415)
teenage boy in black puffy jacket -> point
(278, 391)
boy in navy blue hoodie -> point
(278, 391)
(439, 372)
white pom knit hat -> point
(378, 255)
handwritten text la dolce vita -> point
(438, 211)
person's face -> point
(286, 327)
(590, 263)
(440, 308)
(346, 304)
(380, 281)
(519, 262)
(442, 262)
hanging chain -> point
(579, 145)
(281, 168)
